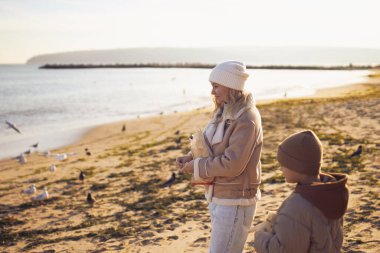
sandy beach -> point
(132, 213)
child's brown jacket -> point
(310, 220)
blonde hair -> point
(237, 100)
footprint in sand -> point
(146, 242)
(200, 240)
(172, 237)
(147, 234)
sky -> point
(32, 27)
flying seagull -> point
(170, 181)
(13, 126)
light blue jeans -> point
(229, 227)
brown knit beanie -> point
(301, 152)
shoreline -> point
(81, 134)
(90, 134)
(37, 129)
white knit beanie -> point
(231, 74)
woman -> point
(234, 140)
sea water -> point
(55, 107)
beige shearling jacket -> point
(234, 161)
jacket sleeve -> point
(233, 161)
(288, 236)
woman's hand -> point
(182, 160)
(188, 167)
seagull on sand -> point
(28, 152)
(53, 168)
(21, 158)
(61, 157)
(178, 140)
(81, 176)
(34, 145)
(170, 181)
(357, 152)
(31, 190)
(90, 200)
(43, 195)
(45, 153)
(13, 126)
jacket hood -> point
(330, 195)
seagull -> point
(53, 168)
(61, 157)
(90, 200)
(32, 189)
(123, 129)
(43, 195)
(169, 182)
(13, 126)
(21, 158)
(81, 176)
(178, 140)
(34, 145)
(357, 152)
(45, 153)
(28, 152)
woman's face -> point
(220, 93)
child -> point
(311, 218)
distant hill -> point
(324, 56)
